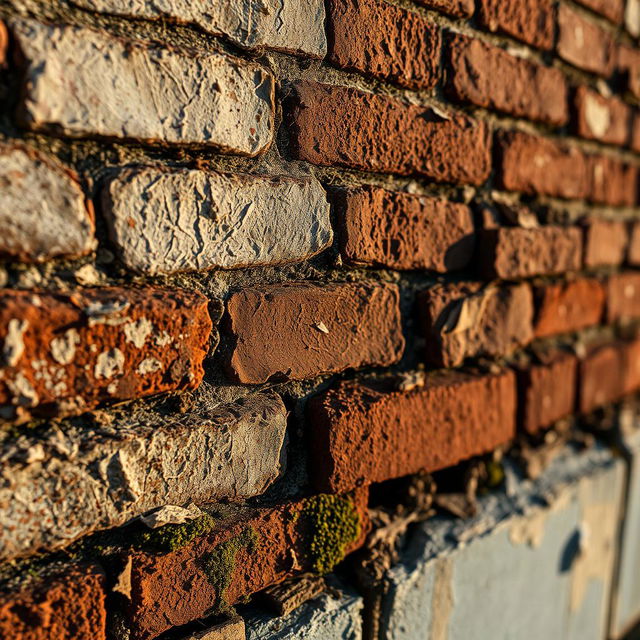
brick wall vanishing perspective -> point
(319, 319)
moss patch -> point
(335, 524)
(175, 536)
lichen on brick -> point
(175, 536)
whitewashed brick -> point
(295, 26)
(183, 220)
(43, 210)
(85, 83)
(57, 489)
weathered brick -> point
(181, 220)
(403, 231)
(247, 550)
(583, 43)
(513, 252)
(351, 128)
(547, 391)
(295, 26)
(43, 210)
(4, 44)
(66, 352)
(531, 21)
(233, 629)
(465, 320)
(623, 296)
(605, 243)
(633, 250)
(603, 119)
(611, 9)
(490, 77)
(83, 83)
(457, 8)
(69, 605)
(613, 181)
(233, 452)
(302, 330)
(568, 307)
(384, 41)
(362, 434)
(628, 63)
(634, 141)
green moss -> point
(335, 524)
(175, 536)
(219, 565)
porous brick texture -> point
(285, 283)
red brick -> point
(628, 64)
(547, 391)
(362, 434)
(303, 330)
(67, 606)
(261, 546)
(583, 43)
(4, 44)
(350, 128)
(611, 9)
(384, 41)
(464, 321)
(457, 8)
(633, 252)
(490, 77)
(634, 141)
(603, 119)
(623, 296)
(66, 352)
(513, 252)
(608, 373)
(531, 21)
(605, 243)
(613, 181)
(568, 307)
(403, 231)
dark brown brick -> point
(603, 119)
(362, 434)
(490, 77)
(68, 352)
(384, 41)
(69, 605)
(342, 126)
(303, 330)
(623, 296)
(247, 551)
(465, 320)
(531, 21)
(403, 231)
(628, 64)
(511, 252)
(457, 8)
(583, 43)
(611, 9)
(547, 391)
(605, 243)
(569, 307)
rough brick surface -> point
(301, 330)
(37, 189)
(362, 434)
(628, 63)
(611, 9)
(82, 83)
(583, 43)
(511, 252)
(403, 231)
(182, 220)
(565, 308)
(490, 77)
(295, 26)
(464, 320)
(68, 352)
(174, 588)
(531, 21)
(233, 452)
(605, 243)
(633, 251)
(384, 41)
(623, 296)
(547, 391)
(602, 119)
(347, 127)
(613, 181)
(66, 606)
(457, 8)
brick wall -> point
(284, 282)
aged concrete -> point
(183, 220)
(83, 83)
(536, 562)
(225, 452)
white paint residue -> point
(109, 364)
(149, 365)
(138, 331)
(14, 342)
(597, 115)
(63, 349)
